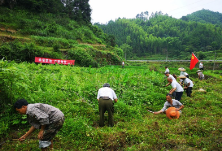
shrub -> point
(56, 47)
(118, 51)
(82, 57)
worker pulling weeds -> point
(44, 117)
(172, 108)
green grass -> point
(74, 90)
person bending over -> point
(176, 87)
(188, 85)
(171, 107)
(41, 116)
(105, 97)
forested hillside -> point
(205, 16)
(163, 35)
(78, 10)
(54, 29)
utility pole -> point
(166, 55)
(214, 60)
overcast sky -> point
(106, 10)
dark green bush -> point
(56, 47)
(81, 57)
(17, 51)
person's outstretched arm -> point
(27, 134)
(158, 112)
(168, 84)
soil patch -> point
(12, 31)
(7, 38)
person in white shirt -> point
(201, 66)
(167, 70)
(186, 74)
(188, 85)
(176, 87)
(182, 72)
(169, 75)
(123, 63)
(106, 96)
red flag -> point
(193, 61)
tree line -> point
(164, 35)
(78, 10)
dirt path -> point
(4, 37)
(8, 30)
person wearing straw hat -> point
(188, 84)
(200, 75)
(105, 97)
(176, 87)
(171, 107)
(182, 72)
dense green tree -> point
(78, 10)
(205, 16)
(162, 34)
(127, 49)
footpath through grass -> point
(73, 90)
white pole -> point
(214, 60)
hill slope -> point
(205, 16)
(164, 35)
(25, 34)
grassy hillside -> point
(74, 90)
(25, 34)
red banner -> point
(53, 61)
(193, 61)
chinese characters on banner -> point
(53, 61)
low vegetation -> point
(74, 90)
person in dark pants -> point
(188, 85)
(44, 117)
(105, 96)
(201, 66)
(176, 87)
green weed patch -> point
(74, 89)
